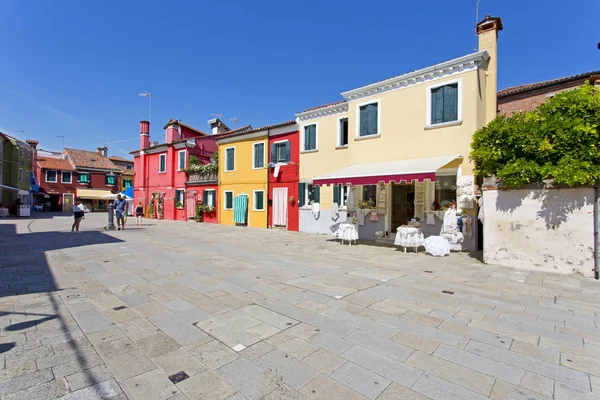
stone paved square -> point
(270, 315)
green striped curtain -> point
(240, 209)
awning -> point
(395, 171)
(93, 194)
(21, 191)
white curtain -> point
(280, 206)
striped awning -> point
(240, 209)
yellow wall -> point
(244, 179)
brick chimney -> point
(103, 151)
(33, 144)
(487, 32)
(144, 134)
(172, 132)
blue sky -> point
(74, 68)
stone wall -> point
(546, 230)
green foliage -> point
(178, 204)
(559, 140)
(195, 166)
(193, 161)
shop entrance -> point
(403, 204)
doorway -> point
(67, 202)
(403, 204)
(280, 207)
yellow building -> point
(403, 143)
(243, 159)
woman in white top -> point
(78, 213)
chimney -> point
(144, 134)
(216, 126)
(172, 131)
(487, 32)
(103, 151)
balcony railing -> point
(202, 177)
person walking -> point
(78, 214)
(139, 213)
(120, 205)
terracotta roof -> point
(237, 132)
(60, 164)
(540, 85)
(174, 121)
(121, 159)
(89, 159)
(325, 105)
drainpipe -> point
(596, 229)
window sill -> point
(443, 124)
(375, 136)
(179, 208)
(341, 147)
(162, 172)
(233, 170)
(309, 151)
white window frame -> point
(302, 150)
(179, 168)
(182, 199)
(358, 106)
(62, 177)
(254, 200)
(55, 174)
(253, 155)
(428, 123)
(160, 157)
(214, 197)
(339, 144)
(276, 143)
(306, 200)
(343, 196)
(84, 173)
(225, 153)
(225, 199)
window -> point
(66, 177)
(444, 104)
(342, 132)
(310, 137)
(445, 189)
(340, 195)
(181, 160)
(110, 179)
(51, 176)
(20, 174)
(280, 152)
(230, 159)
(208, 197)
(370, 194)
(228, 199)
(84, 178)
(307, 194)
(179, 198)
(21, 151)
(259, 156)
(162, 163)
(259, 200)
(368, 119)
(127, 183)
(28, 155)
(129, 167)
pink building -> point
(160, 177)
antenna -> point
(63, 141)
(217, 114)
(234, 120)
(476, 22)
(148, 95)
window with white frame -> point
(228, 194)
(181, 160)
(310, 137)
(444, 103)
(127, 183)
(343, 132)
(370, 194)
(340, 195)
(280, 152)
(308, 194)
(208, 197)
(50, 176)
(258, 156)
(230, 159)
(84, 177)
(66, 177)
(162, 161)
(180, 198)
(259, 200)
(368, 119)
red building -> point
(161, 180)
(284, 149)
(88, 175)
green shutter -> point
(301, 188)
(336, 194)
(204, 197)
(317, 194)
(273, 153)
(287, 151)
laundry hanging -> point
(240, 209)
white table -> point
(408, 236)
(347, 232)
(3, 212)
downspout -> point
(596, 230)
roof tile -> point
(60, 164)
(89, 159)
(540, 85)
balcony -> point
(197, 177)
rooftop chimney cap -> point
(489, 23)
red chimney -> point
(144, 134)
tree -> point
(559, 140)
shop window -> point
(51, 176)
(84, 178)
(127, 183)
(110, 180)
(370, 195)
(445, 190)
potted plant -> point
(292, 200)
(179, 205)
(199, 213)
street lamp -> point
(148, 95)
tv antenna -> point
(217, 114)
(476, 22)
(234, 120)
